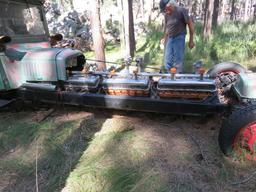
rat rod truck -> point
(31, 69)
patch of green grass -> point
(113, 53)
(115, 161)
(148, 47)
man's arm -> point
(164, 39)
(190, 24)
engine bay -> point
(171, 85)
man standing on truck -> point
(176, 20)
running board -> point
(144, 104)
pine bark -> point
(98, 41)
(194, 8)
(246, 10)
(215, 13)
(254, 13)
(142, 8)
(208, 19)
(223, 10)
(129, 28)
(232, 13)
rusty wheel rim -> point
(245, 142)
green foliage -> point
(113, 28)
(229, 42)
(148, 46)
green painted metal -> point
(2, 87)
(38, 64)
(245, 86)
(4, 82)
(11, 73)
(41, 62)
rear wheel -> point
(226, 68)
(225, 74)
(238, 133)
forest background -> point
(112, 30)
(76, 149)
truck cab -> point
(29, 56)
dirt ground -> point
(183, 149)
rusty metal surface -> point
(186, 88)
(138, 93)
(185, 95)
(127, 86)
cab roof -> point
(37, 2)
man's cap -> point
(164, 3)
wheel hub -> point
(245, 141)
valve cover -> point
(185, 88)
(127, 86)
(83, 83)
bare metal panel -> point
(126, 83)
(186, 85)
(90, 82)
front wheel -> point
(238, 133)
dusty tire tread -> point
(215, 70)
(232, 125)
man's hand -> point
(191, 44)
(163, 40)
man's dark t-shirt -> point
(175, 24)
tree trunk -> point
(194, 8)
(190, 6)
(208, 19)
(129, 28)
(223, 10)
(254, 12)
(205, 8)
(215, 13)
(148, 5)
(98, 42)
(142, 8)
(232, 13)
(122, 28)
(201, 9)
(246, 9)
(250, 9)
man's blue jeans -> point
(174, 52)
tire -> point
(225, 67)
(233, 126)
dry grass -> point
(132, 152)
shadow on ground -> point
(105, 150)
(56, 144)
